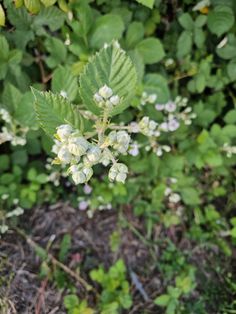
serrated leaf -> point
(2, 16)
(64, 81)
(220, 19)
(51, 17)
(111, 66)
(53, 110)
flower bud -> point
(173, 125)
(80, 173)
(118, 172)
(64, 155)
(64, 131)
(93, 154)
(114, 100)
(98, 98)
(77, 145)
(170, 106)
(105, 92)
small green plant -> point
(115, 294)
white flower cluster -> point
(76, 152)
(172, 196)
(148, 127)
(13, 132)
(229, 150)
(105, 98)
(173, 114)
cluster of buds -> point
(148, 98)
(119, 140)
(79, 155)
(172, 196)
(105, 98)
(148, 127)
(12, 132)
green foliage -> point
(109, 67)
(115, 288)
(182, 201)
(54, 110)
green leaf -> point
(134, 34)
(184, 44)
(71, 301)
(11, 98)
(57, 51)
(230, 117)
(220, 20)
(111, 66)
(231, 69)
(186, 21)
(51, 17)
(147, 3)
(106, 28)
(162, 300)
(25, 112)
(32, 5)
(190, 196)
(53, 110)
(151, 49)
(157, 84)
(2, 16)
(63, 80)
(4, 48)
(228, 51)
(48, 3)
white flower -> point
(77, 145)
(174, 198)
(164, 127)
(118, 172)
(64, 155)
(159, 151)
(134, 127)
(56, 147)
(105, 92)
(134, 149)
(87, 189)
(93, 154)
(170, 106)
(64, 131)
(98, 98)
(173, 124)
(83, 205)
(16, 212)
(63, 94)
(114, 100)
(152, 98)
(166, 148)
(168, 191)
(160, 107)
